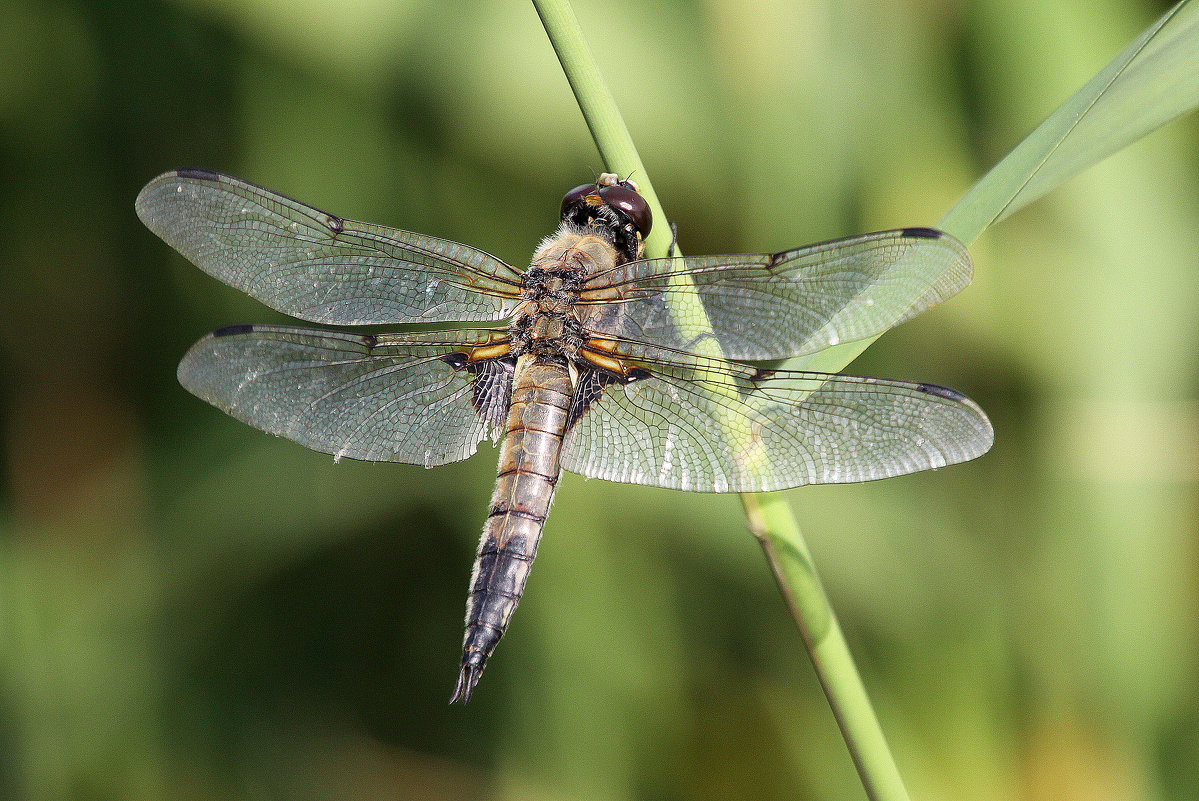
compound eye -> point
(632, 204)
(576, 196)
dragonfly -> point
(593, 359)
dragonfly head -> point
(613, 206)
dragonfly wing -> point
(704, 425)
(402, 398)
(775, 306)
(318, 267)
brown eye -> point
(632, 204)
(576, 196)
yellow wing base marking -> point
(491, 350)
(599, 351)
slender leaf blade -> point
(1154, 80)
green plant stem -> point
(599, 109)
(770, 518)
(773, 523)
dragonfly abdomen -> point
(528, 472)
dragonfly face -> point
(598, 367)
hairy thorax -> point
(547, 322)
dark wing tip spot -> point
(199, 173)
(923, 233)
(369, 341)
(234, 330)
(336, 224)
(941, 392)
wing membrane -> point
(709, 426)
(387, 398)
(775, 306)
(317, 267)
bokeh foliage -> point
(192, 609)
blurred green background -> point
(191, 609)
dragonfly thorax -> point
(588, 251)
(545, 322)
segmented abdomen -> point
(528, 473)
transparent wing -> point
(775, 306)
(709, 426)
(318, 267)
(402, 398)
